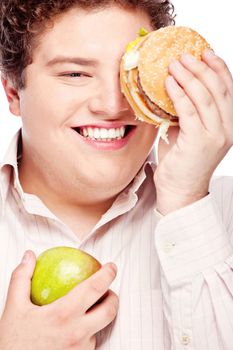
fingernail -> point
(171, 81)
(175, 65)
(113, 267)
(26, 257)
(209, 53)
(188, 58)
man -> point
(81, 173)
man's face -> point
(79, 133)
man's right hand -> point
(70, 322)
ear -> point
(12, 96)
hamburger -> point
(144, 68)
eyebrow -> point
(75, 60)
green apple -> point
(58, 270)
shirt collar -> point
(9, 163)
(9, 175)
(129, 197)
(13, 152)
(142, 174)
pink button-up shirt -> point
(175, 277)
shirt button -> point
(168, 247)
(185, 340)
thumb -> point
(20, 283)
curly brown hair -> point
(23, 21)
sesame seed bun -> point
(143, 83)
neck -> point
(80, 219)
(79, 213)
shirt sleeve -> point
(195, 250)
(1, 195)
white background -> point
(212, 19)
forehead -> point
(98, 33)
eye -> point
(76, 75)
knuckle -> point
(115, 298)
(110, 272)
(111, 311)
(221, 141)
(112, 306)
(203, 68)
(230, 137)
(17, 273)
(191, 112)
(190, 79)
(187, 107)
(60, 314)
(53, 315)
(60, 317)
(76, 337)
(80, 336)
(181, 95)
(207, 100)
(222, 64)
(223, 90)
(98, 285)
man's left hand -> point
(202, 93)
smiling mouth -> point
(104, 134)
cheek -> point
(143, 144)
(49, 102)
(46, 112)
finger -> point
(215, 85)
(87, 293)
(188, 116)
(20, 283)
(199, 95)
(101, 315)
(220, 67)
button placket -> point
(185, 339)
(168, 246)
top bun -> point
(156, 53)
(144, 68)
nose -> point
(108, 99)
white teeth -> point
(85, 132)
(103, 134)
(118, 133)
(90, 132)
(112, 134)
(122, 131)
(96, 133)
